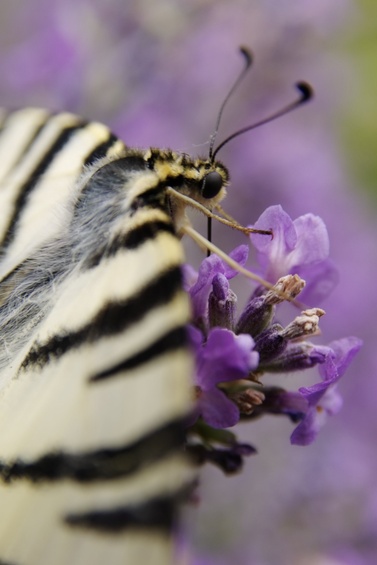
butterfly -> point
(95, 363)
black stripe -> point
(113, 318)
(173, 340)
(101, 150)
(28, 187)
(130, 240)
(117, 168)
(102, 464)
(31, 142)
(136, 237)
(159, 513)
(156, 195)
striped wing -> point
(94, 367)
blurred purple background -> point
(157, 72)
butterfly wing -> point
(94, 365)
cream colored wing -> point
(94, 364)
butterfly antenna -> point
(305, 94)
(248, 59)
(209, 233)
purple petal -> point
(332, 401)
(190, 276)
(195, 337)
(225, 357)
(322, 397)
(298, 247)
(284, 239)
(329, 369)
(209, 267)
(321, 279)
(312, 240)
(307, 430)
(344, 350)
(217, 410)
(272, 252)
(314, 393)
(240, 255)
(199, 292)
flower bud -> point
(221, 304)
(270, 344)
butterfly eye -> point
(212, 184)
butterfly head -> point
(214, 178)
(203, 180)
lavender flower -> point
(263, 345)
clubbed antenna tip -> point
(247, 53)
(306, 91)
